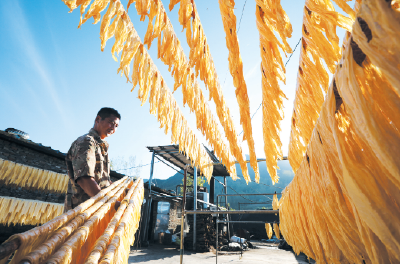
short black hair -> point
(107, 112)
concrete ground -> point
(263, 253)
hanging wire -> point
(271, 186)
(292, 52)
(135, 167)
(285, 66)
(159, 160)
(240, 21)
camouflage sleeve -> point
(84, 158)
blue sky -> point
(54, 77)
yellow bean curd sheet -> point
(171, 53)
(236, 70)
(271, 20)
(78, 233)
(18, 175)
(319, 45)
(27, 212)
(343, 203)
(151, 83)
(200, 58)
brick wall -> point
(28, 156)
(29, 153)
(25, 155)
(174, 217)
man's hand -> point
(89, 185)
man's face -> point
(107, 126)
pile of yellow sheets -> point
(27, 212)
(319, 44)
(18, 175)
(271, 19)
(93, 232)
(343, 203)
(151, 83)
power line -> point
(271, 186)
(135, 167)
(266, 184)
(240, 21)
(292, 52)
(159, 160)
(252, 116)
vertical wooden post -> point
(226, 204)
(183, 212)
(194, 206)
(149, 200)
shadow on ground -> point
(264, 253)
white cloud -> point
(14, 15)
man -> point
(87, 160)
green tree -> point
(189, 183)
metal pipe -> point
(235, 212)
(183, 211)
(216, 243)
(266, 202)
(201, 201)
(166, 152)
(151, 171)
(249, 222)
(248, 194)
(180, 198)
(226, 192)
(149, 199)
(237, 162)
(226, 204)
(194, 206)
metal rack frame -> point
(218, 212)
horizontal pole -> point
(235, 212)
(201, 201)
(7, 248)
(248, 222)
(267, 202)
(237, 162)
(248, 194)
(165, 152)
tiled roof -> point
(43, 149)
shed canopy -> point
(171, 154)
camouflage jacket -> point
(88, 156)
